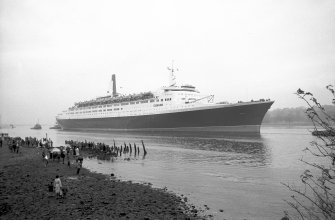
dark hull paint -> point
(235, 118)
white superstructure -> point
(166, 99)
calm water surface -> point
(240, 175)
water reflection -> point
(246, 150)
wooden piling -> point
(145, 152)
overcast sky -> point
(55, 53)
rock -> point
(4, 208)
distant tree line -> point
(292, 115)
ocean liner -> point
(173, 107)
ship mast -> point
(172, 76)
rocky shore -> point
(24, 194)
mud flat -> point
(24, 193)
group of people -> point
(34, 142)
(62, 153)
(14, 143)
(110, 100)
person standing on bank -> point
(46, 160)
(78, 166)
(77, 151)
(62, 155)
(58, 187)
(17, 147)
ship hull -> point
(244, 117)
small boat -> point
(56, 126)
(324, 133)
(37, 126)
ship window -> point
(125, 103)
(116, 109)
(162, 100)
(137, 102)
(144, 101)
(132, 103)
(152, 100)
(100, 110)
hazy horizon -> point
(56, 53)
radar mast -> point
(172, 76)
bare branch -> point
(317, 197)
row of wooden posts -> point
(102, 150)
(129, 149)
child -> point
(51, 187)
(58, 187)
(46, 160)
(78, 167)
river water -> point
(235, 176)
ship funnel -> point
(114, 85)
